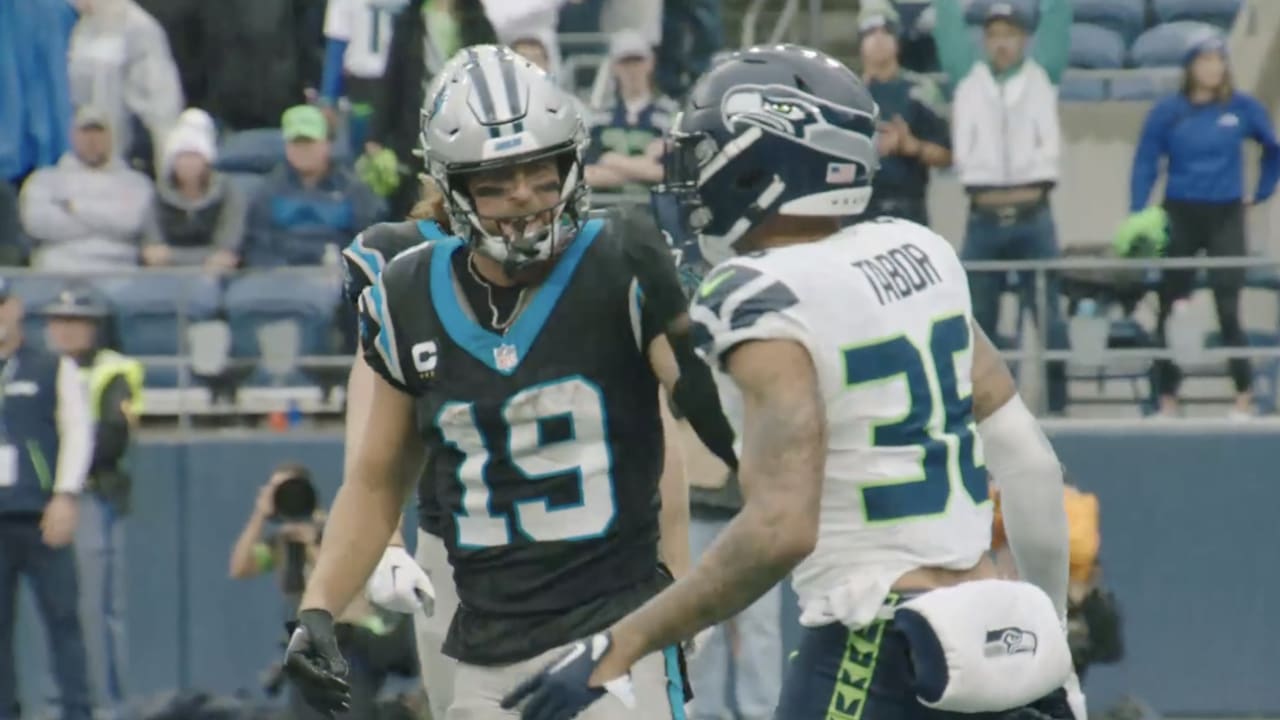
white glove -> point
(398, 584)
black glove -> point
(314, 664)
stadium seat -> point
(1127, 17)
(246, 183)
(272, 300)
(1221, 13)
(251, 151)
(1096, 47)
(1165, 45)
(1136, 87)
(1081, 89)
(149, 314)
(977, 10)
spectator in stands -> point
(48, 445)
(12, 247)
(89, 213)
(692, 33)
(35, 103)
(1006, 145)
(749, 645)
(423, 39)
(357, 43)
(1201, 132)
(288, 499)
(309, 203)
(626, 140)
(539, 47)
(914, 134)
(115, 397)
(120, 62)
(200, 213)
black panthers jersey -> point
(362, 262)
(545, 444)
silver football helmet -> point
(490, 108)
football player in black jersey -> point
(528, 351)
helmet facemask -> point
(513, 243)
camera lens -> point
(295, 499)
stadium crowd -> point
(263, 134)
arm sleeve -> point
(113, 425)
(928, 119)
(228, 233)
(1261, 130)
(1146, 158)
(658, 298)
(956, 53)
(379, 341)
(1052, 47)
(75, 430)
(361, 266)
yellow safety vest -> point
(107, 365)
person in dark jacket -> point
(308, 203)
(74, 329)
(46, 445)
(1201, 132)
(424, 36)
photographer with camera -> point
(283, 536)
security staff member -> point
(46, 444)
(914, 135)
(115, 397)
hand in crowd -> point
(221, 261)
(58, 524)
(156, 255)
(895, 138)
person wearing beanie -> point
(199, 213)
(1201, 132)
(914, 134)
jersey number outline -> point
(947, 447)
(585, 452)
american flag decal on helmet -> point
(841, 173)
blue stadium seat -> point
(246, 183)
(1096, 47)
(977, 10)
(1127, 17)
(1078, 89)
(1136, 87)
(149, 313)
(258, 299)
(251, 151)
(1221, 13)
(1165, 45)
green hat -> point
(304, 122)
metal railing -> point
(191, 394)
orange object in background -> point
(1083, 535)
(278, 421)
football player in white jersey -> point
(866, 403)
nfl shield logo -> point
(505, 357)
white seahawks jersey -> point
(883, 309)
(365, 25)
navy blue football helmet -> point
(773, 129)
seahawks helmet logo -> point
(834, 129)
(1009, 641)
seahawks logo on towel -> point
(1009, 641)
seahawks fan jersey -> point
(883, 309)
(544, 444)
(362, 262)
